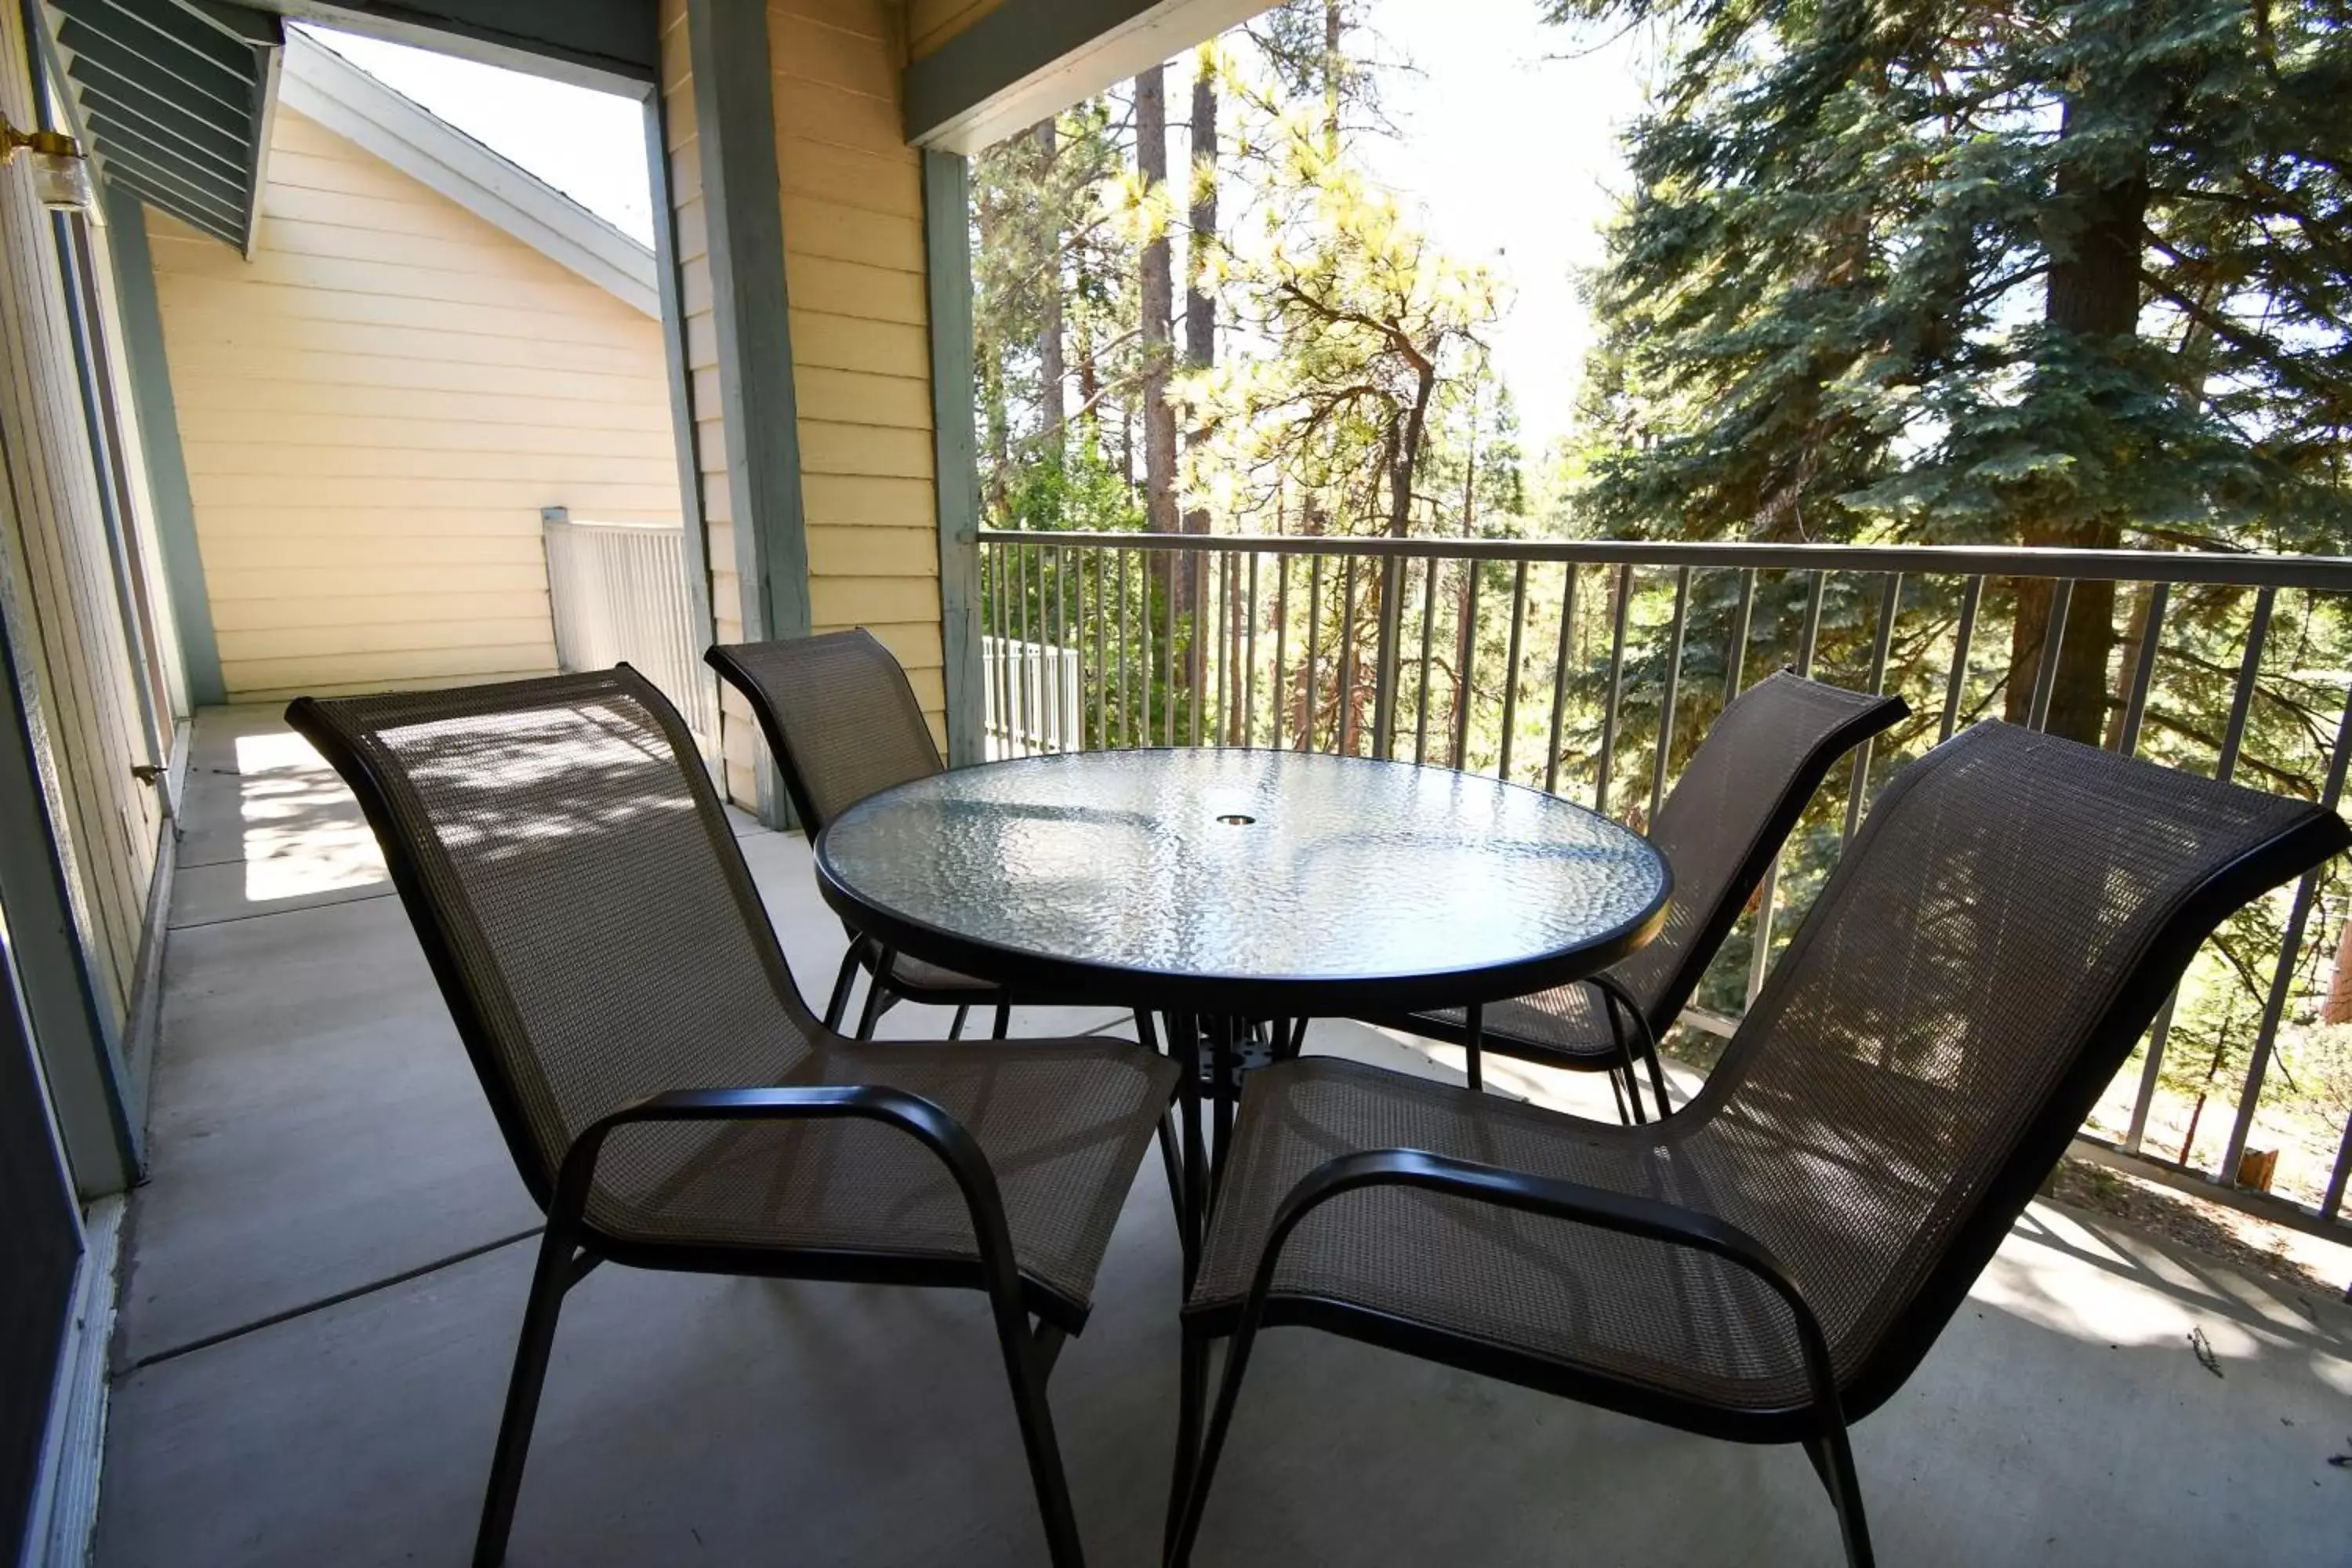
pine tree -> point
(2036, 271)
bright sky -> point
(1514, 159)
(590, 145)
(1512, 155)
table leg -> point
(1473, 1024)
(1225, 1048)
(1184, 1044)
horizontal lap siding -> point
(376, 408)
(853, 211)
(58, 567)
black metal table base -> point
(1216, 1053)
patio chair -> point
(843, 723)
(665, 1095)
(1771, 1262)
(1735, 806)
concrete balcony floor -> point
(327, 1271)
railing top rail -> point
(2324, 574)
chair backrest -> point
(838, 713)
(1735, 806)
(578, 893)
(1980, 965)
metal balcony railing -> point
(618, 592)
(1591, 668)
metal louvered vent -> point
(175, 98)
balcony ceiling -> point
(174, 99)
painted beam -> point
(947, 247)
(735, 132)
(672, 313)
(610, 45)
(159, 431)
(1030, 59)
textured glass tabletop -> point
(1231, 878)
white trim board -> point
(322, 84)
(64, 1519)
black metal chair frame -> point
(1821, 1425)
(1640, 1030)
(877, 959)
(572, 1246)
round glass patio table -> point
(1239, 891)
(1243, 882)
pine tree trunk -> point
(1200, 309)
(2093, 299)
(1052, 407)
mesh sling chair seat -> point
(1772, 1261)
(843, 723)
(667, 1097)
(1733, 807)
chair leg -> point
(1004, 1026)
(1617, 1093)
(876, 996)
(1173, 1164)
(1832, 1459)
(1062, 1544)
(1658, 1082)
(839, 1003)
(955, 1029)
(548, 1283)
(1191, 1392)
(1204, 1468)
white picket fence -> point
(618, 592)
(1030, 703)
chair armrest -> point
(919, 1119)
(1627, 1214)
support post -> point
(955, 467)
(736, 132)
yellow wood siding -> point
(55, 557)
(376, 408)
(852, 202)
(853, 209)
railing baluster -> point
(1428, 619)
(1102, 732)
(1384, 656)
(1813, 633)
(1196, 643)
(1001, 681)
(1280, 688)
(1559, 676)
(2144, 668)
(1616, 688)
(2282, 978)
(1126, 646)
(1881, 641)
(1511, 669)
(1314, 651)
(1062, 738)
(1173, 561)
(1672, 693)
(1143, 663)
(1465, 684)
(1963, 639)
(2241, 701)
(1735, 664)
(1759, 952)
(1249, 659)
(1343, 719)
(2054, 643)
